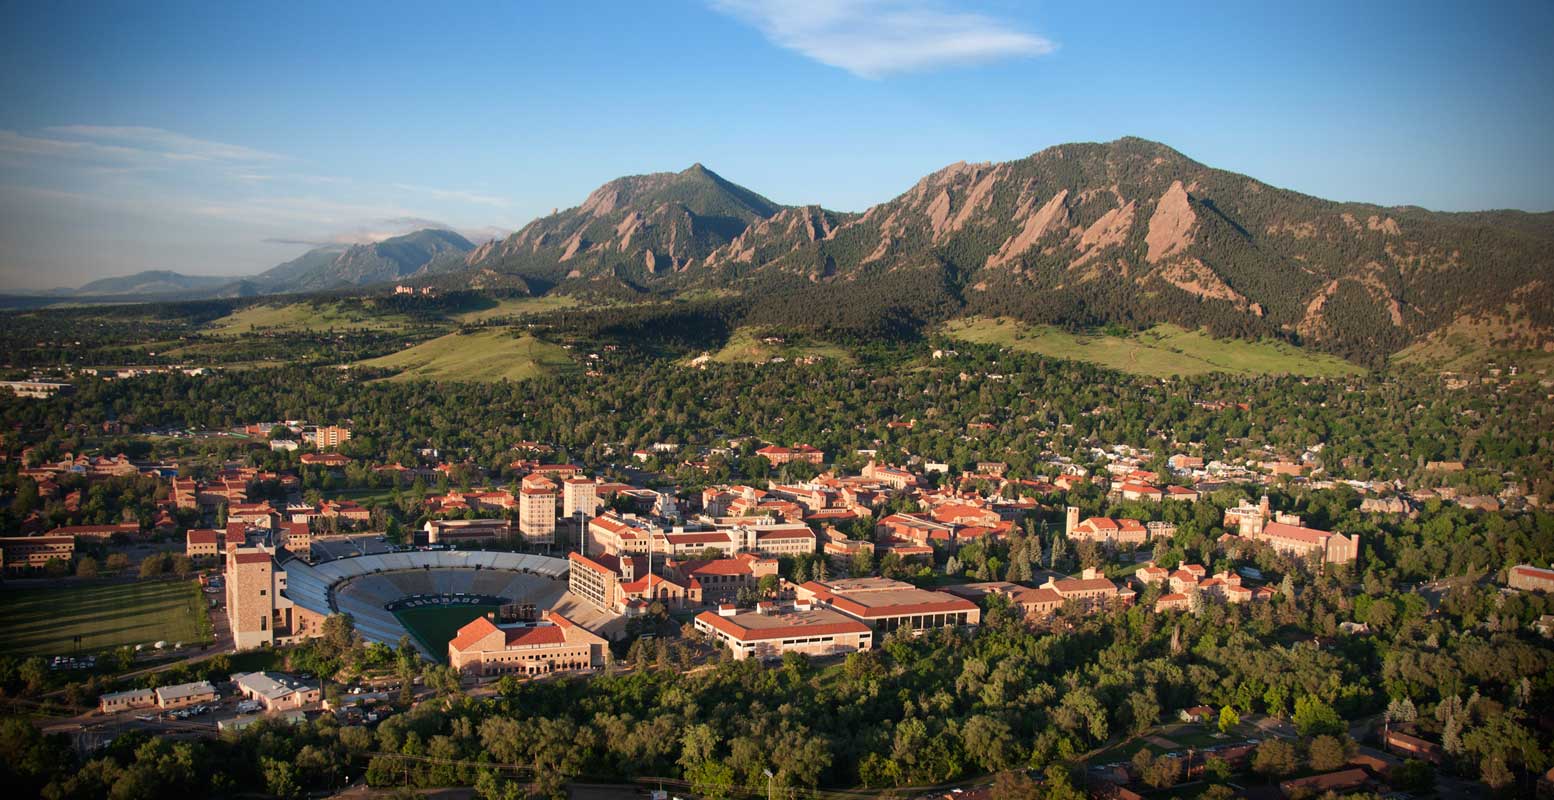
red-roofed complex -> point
(779, 455)
(886, 605)
(1325, 546)
(721, 579)
(771, 631)
(482, 648)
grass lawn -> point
(487, 355)
(745, 347)
(301, 317)
(1161, 351)
(104, 615)
(435, 626)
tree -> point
(117, 562)
(1494, 772)
(1228, 719)
(1326, 753)
(56, 568)
(989, 742)
(1312, 716)
(1015, 786)
(1144, 709)
(1274, 758)
(152, 566)
(1402, 709)
(86, 567)
(182, 565)
(713, 780)
(280, 778)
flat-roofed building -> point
(593, 579)
(537, 510)
(463, 531)
(35, 552)
(183, 695)
(257, 609)
(37, 389)
(555, 644)
(97, 532)
(771, 630)
(114, 702)
(579, 496)
(886, 604)
(1529, 578)
(276, 692)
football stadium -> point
(430, 595)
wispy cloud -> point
(875, 38)
(165, 143)
(457, 194)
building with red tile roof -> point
(483, 648)
(886, 604)
(772, 630)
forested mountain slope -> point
(1128, 232)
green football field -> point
(435, 626)
(105, 615)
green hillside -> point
(749, 345)
(303, 317)
(1161, 351)
(488, 355)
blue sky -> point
(216, 138)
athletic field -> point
(435, 626)
(45, 622)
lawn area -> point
(745, 346)
(303, 317)
(487, 355)
(104, 615)
(1161, 351)
(517, 306)
(435, 626)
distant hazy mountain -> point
(1128, 231)
(336, 266)
(158, 282)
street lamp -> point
(770, 780)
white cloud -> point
(874, 38)
(165, 143)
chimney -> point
(727, 610)
(1089, 573)
(803, 605)
(1070, 520)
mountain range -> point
(332, 266)
(1130, 232)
